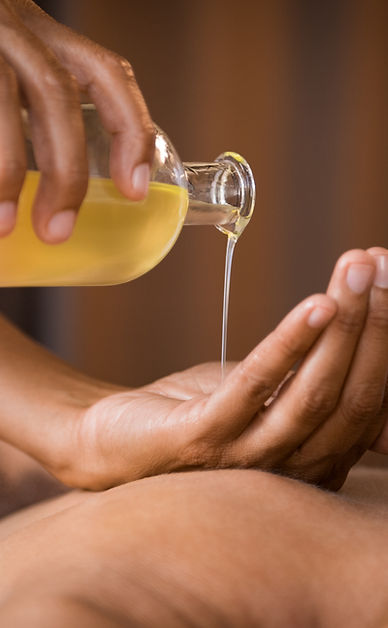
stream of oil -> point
(231, 243)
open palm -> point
(314, 426)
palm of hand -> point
(157, 418)
(185, 421)
(318, 425)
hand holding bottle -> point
(116, 239)
(46, 67)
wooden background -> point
(300, 89)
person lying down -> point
(222, 511)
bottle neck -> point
(221, 193)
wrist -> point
(65, 450)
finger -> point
(127, 120)
(315, 390)
(56, 130)
(360, 414)
(12, 152)
(110, 82)
(254, 380)
(357, 419)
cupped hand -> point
(313, 425)
(45, 66)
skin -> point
(218, 548)
(48, 68)
(215, 548)
(94, 435)
(314, 427)
(222, 547)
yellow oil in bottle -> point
(114, 240)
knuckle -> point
(316, 401)
(143, 132)
(68, 180)
(12, 170)
(118, 64)
(58, 83)
(361, 408)
(288, 343)
(378, 318)
(261, 386)
(65, 172)
(364, 404)
(349, 323)
(145, 135)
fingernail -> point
(60, 226)
(319, 317)
(141, 180)
(7, 215)
(359, 277)
(381, 276)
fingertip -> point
(321, 309)
(319, 317)
(380, 255)
(56, 206)
(140, 181)
(59, 227)
(131, 177)
(354, 272)
(377, 250)
(131, 159)
(354, 256)
(7, 217)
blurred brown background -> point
(300, 88)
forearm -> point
(39, 394)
